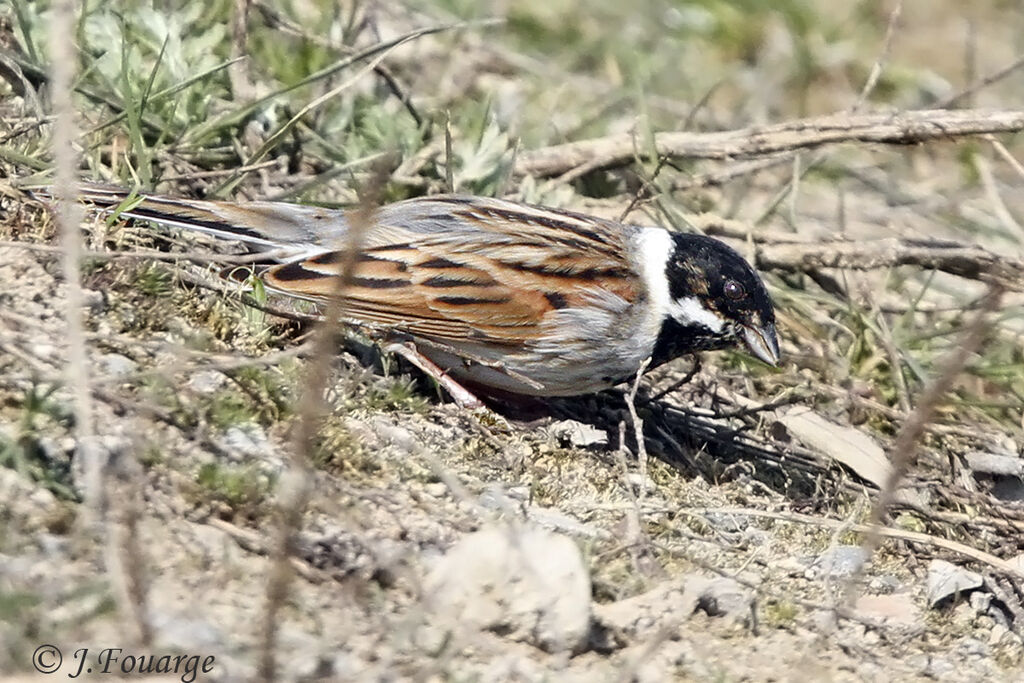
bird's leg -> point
(460, 394)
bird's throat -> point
(676, 339)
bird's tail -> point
(262, 225)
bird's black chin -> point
(676, 340)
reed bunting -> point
(496, 295)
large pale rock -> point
(524, 583)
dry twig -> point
(917, 537)
(65, 133)
(896, 128)
(967, 261)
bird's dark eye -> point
(734, 290)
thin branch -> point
(967, 92)
(638, 426)
(966, 261)
(896, 128)
(917, 537)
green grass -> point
(31, 448)
(233, 490)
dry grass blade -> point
(917, 537)
(904, 449)
(69, 214)
(638, 427)
(295, 489)
(118, 534)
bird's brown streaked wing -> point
(447, 267)
(494, 273)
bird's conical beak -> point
(762, 342)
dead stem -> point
(904, 449)
(296, 486)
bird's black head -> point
(717, 300)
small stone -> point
(727, 522)
(946, 580)
(897, 609)
(249, 438)
(885, 583)
(640, 483)
(980, 601)
(45, 351)
(394, 435)
(498, 497)
(93, 300)
(755, 538)
(824, 620)
(578, 434)
(997, 464)
(436, 489)
(206, 381)
(116, 365)
(672, 601)
(724, 597)
(972, 647)
(52, 545)
(931, 666)
(963, 616)
(844, 560)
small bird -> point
(495, 296)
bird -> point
(491, 296)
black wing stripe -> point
(471, 300)
(589, 274)
(438, 263)
(440, 281)
(296, 272)
(185, 220)
(547, 219)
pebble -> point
(578, 434)
(946, 580)
(206, 381)
(250, 439)
(393, 435)
(117, 365)
(436, 489)
(844, 560)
